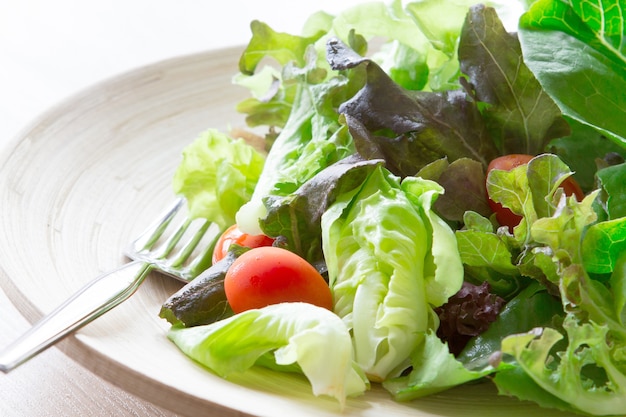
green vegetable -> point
(587, 151)
(588, 371)
(586, 73)
(311, 140)
(587, 377)
(303, 99)
(389, 258)
(514, 319)
(436, 370)
(283, 334)
(604, 243)
(217, 175)
(612, 180)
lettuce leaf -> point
(435, 370)
(587, 376)
(311, 140)
(409, 129)
(612, 181)
(586, 151)
(217, 175)
(586, 75)
(283, 47)
(530, 190)
(282, 334)
(603, 244)
(520, 116)
(296, 218)
(389, 259)
(582, 362)
(466, 178)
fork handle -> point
(94, 299)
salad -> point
(436, 199)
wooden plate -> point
(86, 177)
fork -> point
(174, 244)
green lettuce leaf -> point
(282, 334)
(217, 175)
(612, 180)
(585, 366)
(530, 190)
(405, 50)
(283, 47)
(419, 42)
(435, 369)
(488, 257)
(586, 75)
(389, 259)
(586, 374)
(270, 102)
(603, 244)
(585, 151)
(311, 140)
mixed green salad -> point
(379, 126)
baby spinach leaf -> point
(586, 75)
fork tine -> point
(206, 242)
(176, 244)
(185, 252)
(155, 230)
(175, 254)
(162, 250)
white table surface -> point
(50, 50)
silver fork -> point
(174, 244)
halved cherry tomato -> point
(271, 275)
(505, 216)
(234, 235)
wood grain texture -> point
(82, 180)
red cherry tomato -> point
(505, 216)
(234, 235)
(271, 275)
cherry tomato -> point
(271, 275)
(234, 235)
(505, 216)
